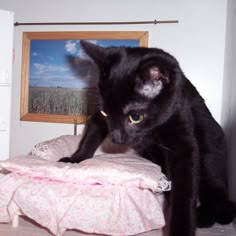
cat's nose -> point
(117, 137)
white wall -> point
(229, 95)
(6, 49)
(197, 42)
(229, 98)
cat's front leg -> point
(182, 169)
(95, 132)
(183, 197)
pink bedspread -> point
(111, 194)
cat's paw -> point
(205, 217)
(66, 160)
(71, 160)
(225, 212)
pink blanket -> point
(117, 194)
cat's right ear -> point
(151, 81)
(95, 52)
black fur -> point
(177, 131)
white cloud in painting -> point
(52, 77)
(92, 41)
(70, 46)
(41, 68)
(35, 54)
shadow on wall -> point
(231, 141)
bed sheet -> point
(101, 207)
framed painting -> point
(50, 89)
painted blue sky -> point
(49, 66)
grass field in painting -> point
(61, 101)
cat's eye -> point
(135, 118)
(103, 113)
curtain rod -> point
(99, 23)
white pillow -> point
(66, 145)
(55, 149)
(105, 169)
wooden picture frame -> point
(32, 40)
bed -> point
(114, 193)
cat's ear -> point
(151, 81)
(80, 66)
(85, 69)
(95, 52)
(156, 74)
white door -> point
(6, 52)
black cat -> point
(147, 103)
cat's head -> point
(139, 89)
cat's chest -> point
(158, 145)
(152, 151)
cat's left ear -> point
(151, 81)
(95, 52)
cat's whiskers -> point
(164, 147)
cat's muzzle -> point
(118, 137)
